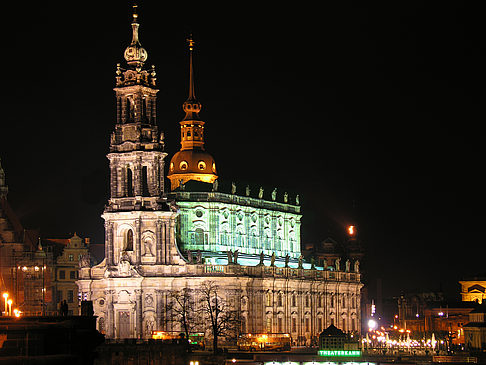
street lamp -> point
(5, 297)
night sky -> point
(372, 114)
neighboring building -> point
(66, 269)
(411, 309)
(327, 252)
(36, 273)
(474, 289)
(429, 313)
(475, 330)
(448, 318)
(25, 267)
(157, 243)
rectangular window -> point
(58, 296)
(70, 296)
(72, 275)
(307, 327)
(293, 301)
(306, 300)
(319, 324)
(62, 274)
(279, 325)
(294, 325)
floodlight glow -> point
(372, 324)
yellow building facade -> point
(473, 290)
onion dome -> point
(135, 54)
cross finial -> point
(191, 42)
(135, 15)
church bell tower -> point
(137, 220)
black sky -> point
(344, 102)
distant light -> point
(372, 324)
(440, 314)
(417, 315)
(351, 230)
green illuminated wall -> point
(218, 222)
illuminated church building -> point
(157, 241)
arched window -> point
(101, 325)
(129, 182)
(129, 240)
(199, 236)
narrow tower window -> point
(145, 189)
(144, 109)
(129, 182)
(129, 240)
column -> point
(138, 314)
(109, 242)
(137, 176)
(158, 309)
(138, 239)
(158, 242)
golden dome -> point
(191, 164)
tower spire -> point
(191, 44)
(191, 106)
(192, 162)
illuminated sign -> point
(340, 353)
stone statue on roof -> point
(260, 193)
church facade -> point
(158, 242)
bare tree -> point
(182, 309)
(222, 318)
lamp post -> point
(5, 297)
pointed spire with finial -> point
(191, 106)
(135, 54)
